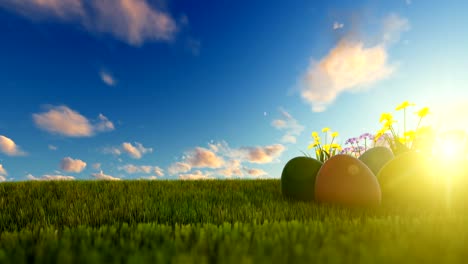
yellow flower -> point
(410, 134)
(404, 105)
(336, 146)
(379, 134)
(325, 129)
(313, 145)
(385, 117)
(334, 134)
(315, 134)
(423, 112)
(326, 148)
(388, 124)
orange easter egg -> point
(346, 180)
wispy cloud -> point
(2, 178)
(67, 122)
(261, 154)
(132, 21)
(197, 175)
(288, 124)
(72, 165)
(102, 176)
(151, 178)
(3, 172)
(351, 65)
(131, 169)
(50, 178)
(256, 172)
(135, 151)
(179, 167)
(107, 78)
(9, 147)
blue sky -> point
(225, 89)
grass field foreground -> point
(229, 221)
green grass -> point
(228, 221)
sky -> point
(161, 89)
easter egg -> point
(375, 158)
(345, 180)
(298, 178)
(407, 178)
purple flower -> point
(351, 141)
(366, 135)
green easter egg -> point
(407, 178)
(298, 178)
(375, 158)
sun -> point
(451, 146)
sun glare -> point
(450, 146)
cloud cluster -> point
(67, 122)
(351, 65)
(221, 160)
(290, 125)
(132, 21)
(105, 177)
(131, 169)
(9, 147)
(72, 165)
(50, 178)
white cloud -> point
(136, 151)
(107, 78)
(351, 65)
(256, 172)
(131, 169)
(50, 178)
(9, 147)
(179, 167)
(152, 177)
(197, 175)
(2, 170)
(224, 160)
(260, 154)
(203, 158)
(2, 179)
(67, 122)
(158, 171)
(337, 25)
(232, 168)
(102, 176)
(52, 147)
(72, 165)
(290, 125)
(132, 21)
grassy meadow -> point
(228, 221)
